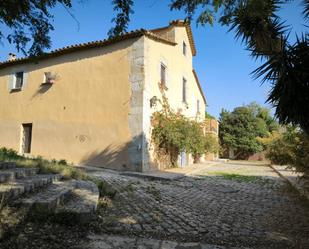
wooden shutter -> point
(11, 82)
(163, 74)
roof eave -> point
(83, 46)
(199, 86)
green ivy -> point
(175, 133)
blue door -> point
(183, 159)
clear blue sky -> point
(222, 63)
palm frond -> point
(306, 9)
(288, 72)
(258, 26)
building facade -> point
(91, 103)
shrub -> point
(290, 148)
(174, 133)
(8, 154)
(211, 144)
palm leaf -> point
(288, 71)
(306, 9)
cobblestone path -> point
(224, 206)
(250, 210)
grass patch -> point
(105, 189)
(55, 167)
(44, 166)
(240, 178)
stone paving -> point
(224, 206)
(110, 242)
(210, 207)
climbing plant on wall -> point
(173, 133)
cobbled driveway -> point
(230, 205)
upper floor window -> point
(163, 74)
(198, 106)
(184, 48)
(184, 90)
(19, 80)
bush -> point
(174, 133)
(211, 144)
(290, 148)
(8, 154)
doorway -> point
(183, 159)
(26, 138)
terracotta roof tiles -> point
(93, 44)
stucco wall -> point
(178, 66)
(84, 116)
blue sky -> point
(222, 63)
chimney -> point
(12, 57)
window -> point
(184, 90)
(26, 138)
(184, 48)
(163, 74)
(198, 106)
(19, 80)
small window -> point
(198, 106)
(184, 90)
(26, 138)
(184, 48)
(19, 80)
(163, 74)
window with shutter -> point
(163, 74)
(19, 80)
(184, 90)
(198, 106)
(184, 48)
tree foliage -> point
(241, 129)
(124, 9)
(175, 133)
(290, 147)
(209, 116)
(29, 20)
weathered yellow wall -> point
(98, 111)
(178, 66)
(83, 117)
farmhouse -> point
(92, 103)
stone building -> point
(92, 103)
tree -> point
(241, 129)
(29, 20)
(125, 9)
(209, 116)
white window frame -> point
(15, 80)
